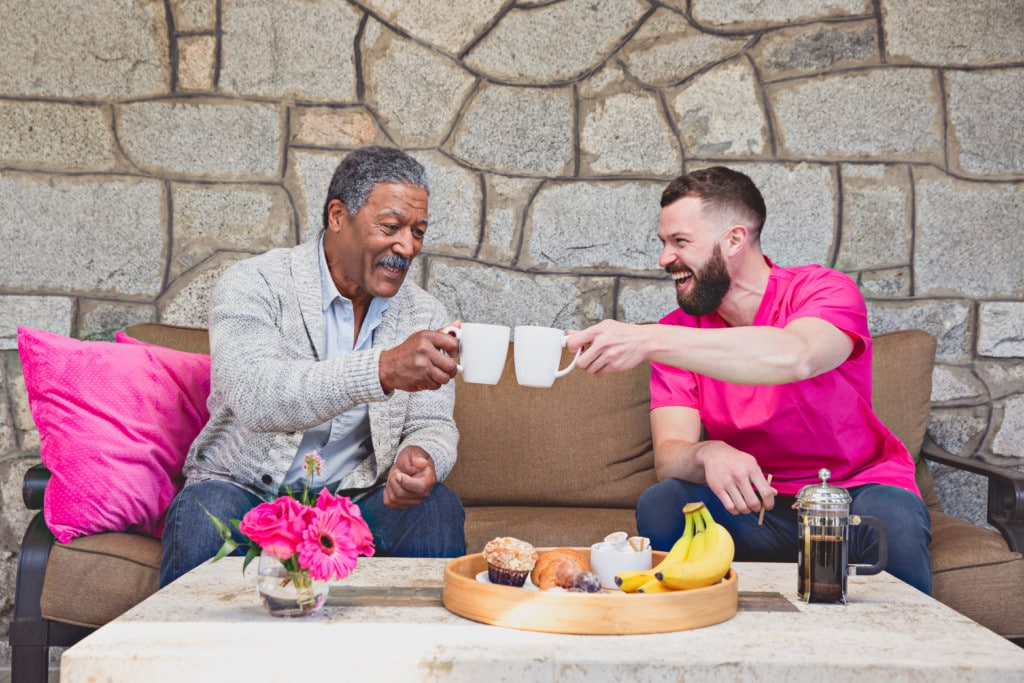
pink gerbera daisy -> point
(327, 549)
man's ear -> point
(736, 237)
(337, 215)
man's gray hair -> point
(367, 167)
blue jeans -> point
(905, 516)
(434, 528)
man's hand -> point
(613, 346)
(411, 478)
(736, 478)
(424, 361)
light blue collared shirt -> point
(344, 441)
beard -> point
(708, 287)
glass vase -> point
(286, 593)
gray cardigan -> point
(268, 383)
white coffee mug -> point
(538, 351)
(482, 351)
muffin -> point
(509, 560)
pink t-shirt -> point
(796, 429)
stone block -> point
(963, 494)
(435, 21)
(416, 92)
(882, 114)
(948, 320)
(669, 49)
(85, 234)
(208, 218)
(507, 200)
(328, 127)
(645, 301)
(758, 14)
(624, 132)
(877, 208)
(187, 301)
(14, 516)
(949, 33)
(50, 135)
(964, 229)
(197, 63)
(594, 225)
(1008, 439)
(1002, 377)
(194, 15)
(1001, 329)
(8, 581)
(719, 113)
(802, 201)
(455, 208)
(203, 138)
(98, 320)
(816, 49)
(312, 56)
(50, 313)
(954, 383)
(959, 430)
(71, 49)
(8, 435)
(517, 130)
(21, 412)
(986, 113)
(480, 293)
(309, 176)
(533, 46)
(890, 282)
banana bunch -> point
(701, 557)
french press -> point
(823, 521)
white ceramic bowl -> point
(607, 563)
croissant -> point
(557, 568)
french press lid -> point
(823, 496)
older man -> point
(325, 348)
(762, 370)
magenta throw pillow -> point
(115, 423)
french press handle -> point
(883, 546)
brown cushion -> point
(190, 339)
(545, 526)
(975, 573)
(586, 441)
(94, 579)
(902, 393)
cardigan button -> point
(267, 479)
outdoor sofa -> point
(558, 466)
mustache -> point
(394, 261)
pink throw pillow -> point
(115, 423)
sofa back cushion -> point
(902, 392)
(190, 339)
(586, 441)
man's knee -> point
(446, 508)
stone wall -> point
(145, 146)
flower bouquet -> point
(302, 544)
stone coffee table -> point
(386, 622)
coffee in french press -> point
(823, 527)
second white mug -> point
(482, 351)
(538, 352)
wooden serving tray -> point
(604, 613)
